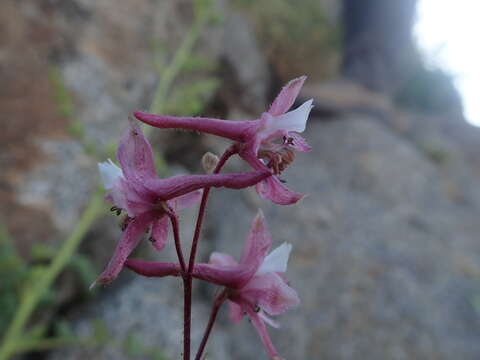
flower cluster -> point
(256, 285)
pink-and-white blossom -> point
(263, 290)
(265, 143)
(135, 188)
(256, 285)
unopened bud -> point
(209, 162)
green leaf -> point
(190, 99)
(84, 268)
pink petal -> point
(131, 196)
(153, 268)
(269, 131)
(234, 276)
(235, 312)
(257, 243)
(259, 325)
(135, 154)
(221, 259)
(160, 226)
(170, 188)
(129, 241)
(299, 142)
(287, 96)
(160, 233)
(234, 130)
(272, 189)
(186, 201)
(271, 293)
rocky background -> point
(386, 254)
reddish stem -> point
(187, 311)
(186, 283)
(232, 150)
(217, 304)
(187, 278)
(176, 235)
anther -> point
(115, 209)
(124, 222)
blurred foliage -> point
(297, 36)
(14, 273)
(66, 108)
(61, 94)
(187, 81)
(190, 99)
(429, 90)
(195, 87)
(79, 264)
(19, 277)
(436, 152)
(135, 347)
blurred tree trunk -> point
(378, 42)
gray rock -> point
(249, 70)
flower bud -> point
(209, 162)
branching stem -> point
(217, 304)
(187, 279)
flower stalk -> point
(256, 285)
(217, 304)
(188, 279)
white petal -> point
(295, 120)
(276, 261)
(268, 320)
(110, 173)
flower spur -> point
(265, 143)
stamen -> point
(124, 222)
(117, 210)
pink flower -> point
(264, 143)
(256, 286)
(260, 289)
(135, 188)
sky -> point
(448, 32)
